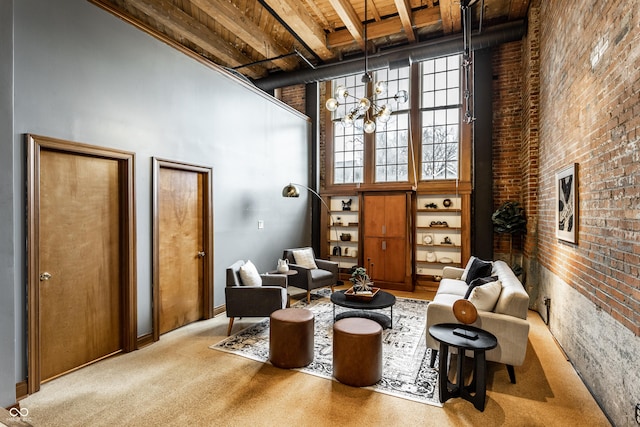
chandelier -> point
(367, 108)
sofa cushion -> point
(476, 268)
(305, 258)
(452, 287)
(478, 282)
(249, 275)
(485, 297)
(514, 300)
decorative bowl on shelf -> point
(438, 224)
(345, 237)
(445, 260)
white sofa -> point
(507, 321)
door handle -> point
(384, 245)
(201, 254)
(45, 276)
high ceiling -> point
(260, 38)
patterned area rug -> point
(405, 370)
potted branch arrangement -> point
(510, 219)
(362, 288)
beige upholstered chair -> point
(324, 274)
(254, 300)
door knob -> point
(201, 254)
(45, 276)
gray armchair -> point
(325, 275)
(253, 301)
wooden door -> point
(81, 256)
(182, 248)
(385, 238)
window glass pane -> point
(348, 148)
(392, 160)
(440, 106)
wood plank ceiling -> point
(258, 38)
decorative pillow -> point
(485, 297)
(477, 268)
(305, 258)
(466, 268)
(479, 282)
(249, 275)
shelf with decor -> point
(343, 229)
(439, 235)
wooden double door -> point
(386, 236)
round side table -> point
(463, 337)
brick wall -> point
(590, 115)
(295, 97)
(529, 150)
(507, 134)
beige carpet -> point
(180, 381)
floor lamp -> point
(291, 190)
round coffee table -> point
(364, 308)
(463, 337)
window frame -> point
(415, 182)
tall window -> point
(392, 140)
(348, 142)
(439, 113)
(440, 106)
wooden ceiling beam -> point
(387, 27)
(316, 10)
(350, 19)
(451, 16)
(305, 27)
(518, 9)
(404, 11)
(180, 22)
(232, 18)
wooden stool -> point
(357, 351)
(291, 338)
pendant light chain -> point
(466, 60)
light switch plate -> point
(260, 224)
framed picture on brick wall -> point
(567, 204)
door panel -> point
(394, 260)
(395, 216)
(181, 247)
(80, 302)
(375, 216)
(374, 258)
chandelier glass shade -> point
(370, 109)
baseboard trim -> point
(219, 310)
(22, 390)
(144, 340)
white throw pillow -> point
(486, 296)
(304, 258)
(249, 275)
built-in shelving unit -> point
(343, 230)
(439, 235)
